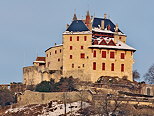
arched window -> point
(148, 91)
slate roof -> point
(77, 26)
(97, 22)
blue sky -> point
(29, 27)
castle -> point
(91, 48)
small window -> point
(103, 54)
(70, 38)
(58, 59)
(81, 47)
(119, 37)
(111, 54)
(85, 38)
(82, 65)
(50, 53)
(48, 64)
(94, 53)
(112, 67)
(71, 47)
(71, 56)
(77, 38)
(72, 65)
(60, 50)
(82, 55)
(94, 65)
(47, 55)
(103, 66)
(122, 55)
(55, 51)
(122, 67)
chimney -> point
(67, 25)
(105, 15)
(102, 24)
(116, 28)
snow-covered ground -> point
(53, 109)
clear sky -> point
(29, 27)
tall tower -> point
(88, 21)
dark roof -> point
(77, 26)
(40, 59)
(97, 22)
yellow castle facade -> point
(90, 48)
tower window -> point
(71, 56)
(55, 51)
(60, 50)
(103, 54)
(50, 53)
(94, 53)
(72, 65)
(103, 66)
(94, 65)
(85, 38)
(112, 67)
(112, 55)
(70, 38)
(82, 55)
(58, 59)
(47, 55)
(77, 38)
(82, 65)
(71, 47)
(122, 67)
(122, 55)
(81, 47)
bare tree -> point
(149, 76)
(136, 74)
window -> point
(82, 55)
(81, 47)
(119, 37)
(58, 59)
(77, 38)
(85, 38)
(47, 55)
(70, 38)
(122, 67)
(112, 67)
(103, 66)
(111, 54)
(48, 64)
(94, 65)
(50, 53)
(71, 56)
(60, 50)
(71, 47)
(94, 53)
(122, 55)
(103, 54)
(72, 65)
(82, 65)
(55, 51)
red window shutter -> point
(94, 53)
(70, 38)
(122, 67)
(82, 55)
(77, 38)
(103, 54)
(122, 55)
(81, 47)
(111, 54)
(94, 65)
(70, 56)
(85, 38)
(71, 47)
(112, 67)
(103, 66)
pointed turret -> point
(75, 17)
(88, 20)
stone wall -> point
(33, 75)
(30, 97)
